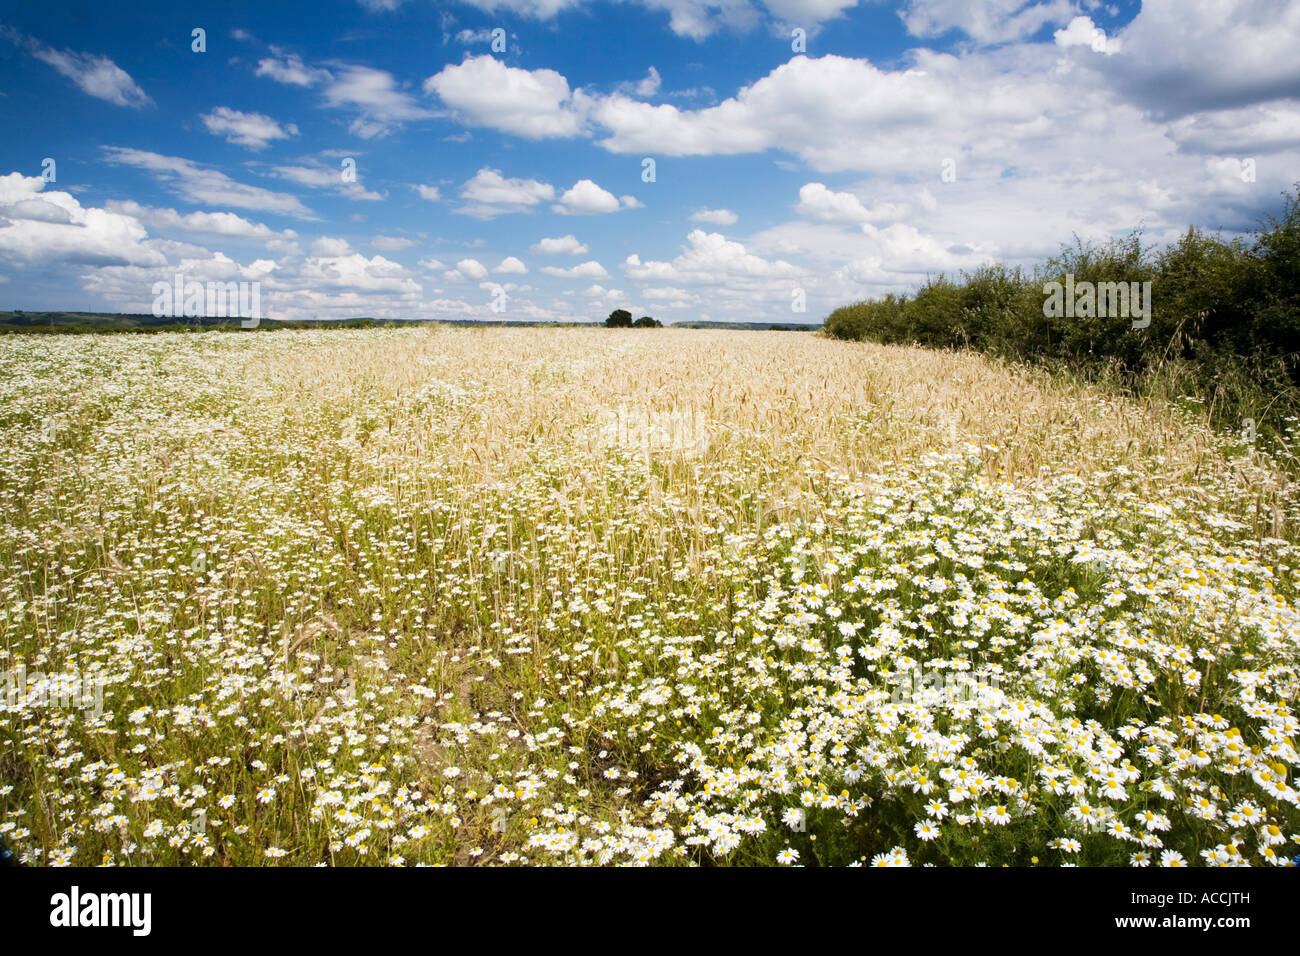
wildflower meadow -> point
(599, 596)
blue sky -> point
(905, 140)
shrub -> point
(880, 321)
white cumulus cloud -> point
(585, 198)
(587, 270)
(488, 194)
(511, 266)
(718, 217)
(534, 104)
(816, 201)
(560, 245)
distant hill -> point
(74, 322)
(749, 326)
(78, 322)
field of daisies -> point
(599, 597)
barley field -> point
(672, 597)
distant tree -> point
(619, 319)
(645, 322)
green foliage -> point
(934, 316)
(1002, 310)
(619, 319)
(1080, 337)
(879, 321)
(1276, 301)
(645, 322)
